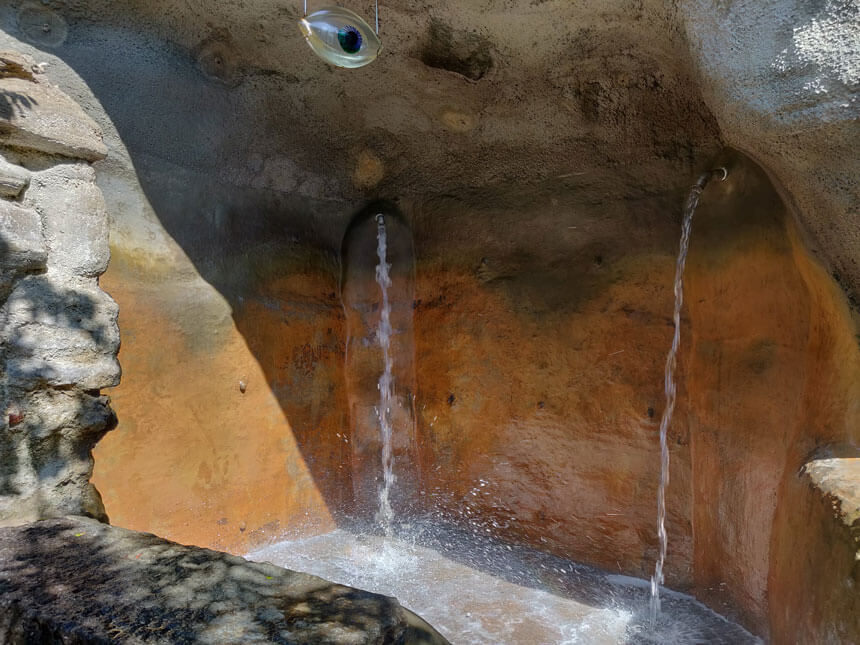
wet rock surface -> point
(74, 580)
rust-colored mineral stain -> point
(537, 421)
(570, 477)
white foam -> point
(541, 600)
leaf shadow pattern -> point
(59, 342)
(15, 104)
(75, 580)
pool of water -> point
(478, 591)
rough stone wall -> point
(815, 598)
(782, 79)
(772, 375)
(539, 355)
(542, 151)
(57, 327)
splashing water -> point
(669, 385)
(385, 516)
(479, 591)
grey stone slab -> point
(75, 220)
(55, 300)
(73, 580)
(31, 373)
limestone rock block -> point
(75, 218)
(13, 179)
(50, 299)
(22, 246)
(61, 333)
(58, 330)
(62, 342)
(31, 373)
(74, 413)
(38, 116)
(17, 65)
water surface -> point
(475, 590)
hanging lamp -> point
(340, 36)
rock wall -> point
(772, 377)
(540, 155)
(121, 586)
(781, 78)
(231, 425)
(58, 328)
(815, 598)
(540, 354)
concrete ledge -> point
(838, 480)
(38, 116)
(22, 245)
(74, 580)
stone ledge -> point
(13, 179)
(22, 246)
(74, 580)
(38, 116)
(838, 480)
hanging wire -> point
(375, 7)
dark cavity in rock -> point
(464, 53)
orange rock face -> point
(542, 428)
(773, 376)
(531, 339)
(197, 459)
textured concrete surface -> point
(58, 329)
(772, 374)
(74, 580)
(782, 78)
(816, 595)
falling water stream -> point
(669, 385)
(385, 516)
(449, 567)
